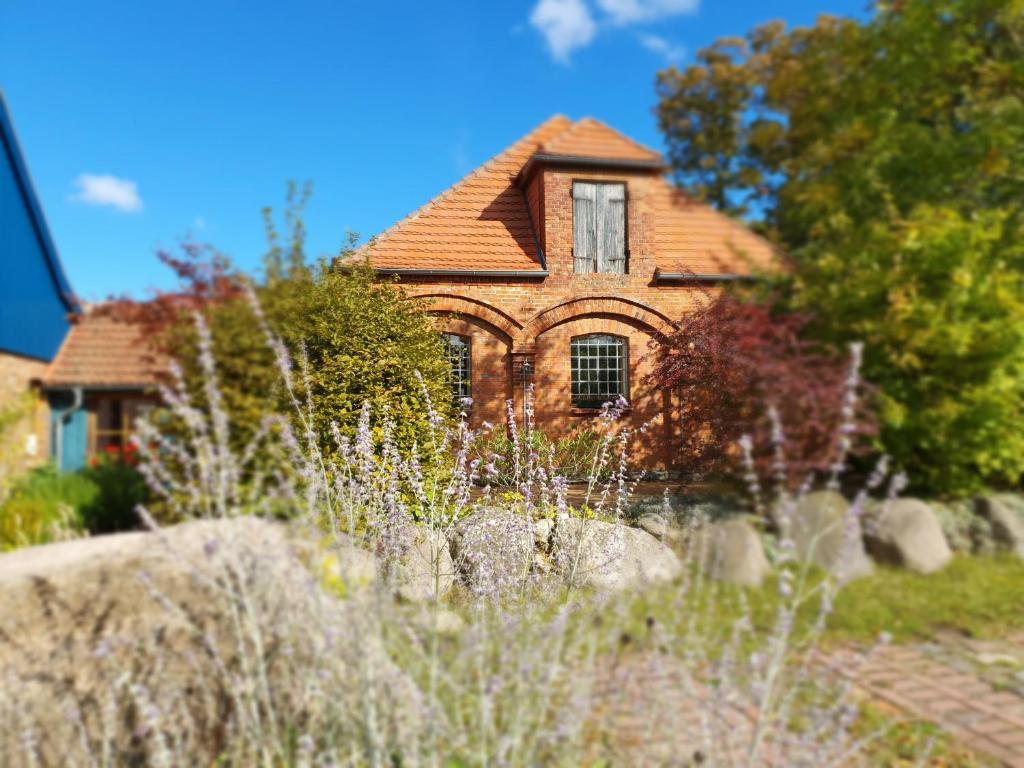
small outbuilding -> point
(102, 380)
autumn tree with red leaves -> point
(733, 360)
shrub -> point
(733, 360)
(45, 506)
(571, 457)
(120, 489)
(354, 339)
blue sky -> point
(143, 122)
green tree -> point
(887, 158)
(351, 338)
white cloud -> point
(671, 52)
(570, 24)
(565, 24)
(103, 189)
(632, 11)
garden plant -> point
(407, 617)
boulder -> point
(907, 532)
(965, 530)
(733, 552)
(610, 556)
(493, 549)
(658, 526)
(427, 568)
(655, 524)
(542, 532)
(98, 633)
(1007, 522)
(824, 532)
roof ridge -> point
(439, 198)
(589, 119)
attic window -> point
(599, 228)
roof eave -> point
(512, 273)
(696, 277)
(56, 386)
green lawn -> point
(979, 596)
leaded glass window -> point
(457, 348)
(599, 370)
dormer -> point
(577, 200)
(580, 187)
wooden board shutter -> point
(611, 228)
(584, 227)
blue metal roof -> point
(35, 296)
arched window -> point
(458, 350)
(600, 370)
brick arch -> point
(653, 321)
(443, 303)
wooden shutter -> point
(611, 228)
(584, 227)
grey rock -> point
(655, 524)
(823, 533)
(1007, 524)
(542, 532)
(906, 532)
(90, 625)
(610, 556)
(733, 552)
(493, 549)
(965, 530)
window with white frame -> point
(598, 227)
(600, 370)
(459, 358)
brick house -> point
(554, 265)
(102, 379)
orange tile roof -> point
(692, 237)
(103, 351)
(592, 138)
(482, 222)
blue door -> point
(68, 437)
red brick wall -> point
(16, 375)
(510, 318)
(490, 367)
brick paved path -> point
(932, 687)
